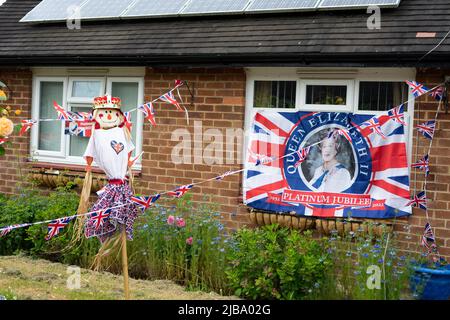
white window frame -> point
(351, 77)
(63, 157)
(348, 107)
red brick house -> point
(235, 64)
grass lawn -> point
(25, 278)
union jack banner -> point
(428, 235)
(56, 226)
(180, 191)
(427, 129)
(419, 200)
(438, 93)
(149, 112)
(26, 125)
(223, 176)
(398, 114)
(127, 120)
(144, 202)
(81, 128)
(373, 126)
(423, 164)
(62, 114)
(98, 218)
(170, 98)
(302, 154)
(417, 89)
(368, 178)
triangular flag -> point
(149, 112)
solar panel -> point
(215, 6)
(282, 5)
(104, 8)
(345, 4)
(52, 10)
(144, 8)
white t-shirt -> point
(335, 180)
(110, 149)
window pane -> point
(78, 144)
(381, 96)
(50, 131)
(275, 94)
(86, 89)
(326, 94)
(129, 93)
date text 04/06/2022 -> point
(226, 309)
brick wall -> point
(13, 165)
(438, 191)
(219, 104)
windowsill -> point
(70, 167)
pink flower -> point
(171, 220)
(180, 222)
(189, 241)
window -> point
(330, 95)
(275, 94)
(49, 141)
(381, 95)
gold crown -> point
(107, 102)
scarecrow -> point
(110, 146)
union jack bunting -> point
(419, 200)
(56, 226)
(343, 133)
(98, 218)
(127, 120)
(416, 88)
(428, 235)
(144, 202)
(427, 129)
(179, 83)
(423, 164)
(398, 114)
(374, 126)
(169, 98)
(25, 126)
(80, 116)
(5, 231)
(180, 191)
(302, 155)
(223, 176)
(438, 93)
(149, 112)
(62, 114)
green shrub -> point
(276, 263)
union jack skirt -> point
(114, 195)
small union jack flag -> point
(169, 98)
(427, 129)
(25, 126)
(5, 231)
(62, 114)
(438, 93)
(398, 114)
(56, 226)
(127, 120)
(302, 155)
(149, 112)
(180, 191)
(374, 126)
(343, 133)
(428, 235)
(223, 176)
(423, 164)
(416, 88)
(419, 200)
(98, 218)
(144, 202)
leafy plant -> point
(276, 263)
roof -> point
(326, 38)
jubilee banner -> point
(328, 164)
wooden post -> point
(125, 264)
